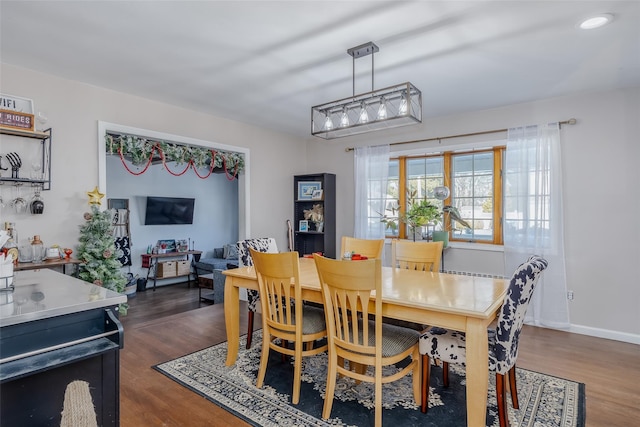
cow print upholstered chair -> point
(449, 346)
(261, 244)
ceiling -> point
(268, 62)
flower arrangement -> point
(315, 214)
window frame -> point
(498, 151)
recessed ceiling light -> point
(596, 21)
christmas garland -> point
(141, 152)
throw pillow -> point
(218, 253)
(231, 252)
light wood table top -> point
(463, 303)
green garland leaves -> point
(140, 149)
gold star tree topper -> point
(95, 197)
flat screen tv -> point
(169, 210)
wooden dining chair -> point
(422, 256)
(284, 315)
(371, 248)
(260, 244)
(347, 294)
(450, 346)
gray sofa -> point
(210, 270)
(218, 261)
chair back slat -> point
(371, 248)
(421, 256)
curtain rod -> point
(485, 132)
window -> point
(474, 179)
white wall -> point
(601, 174)
(74, 110)
(600, 158)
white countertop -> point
(45, 293)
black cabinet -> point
(308, 191)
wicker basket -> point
(184, 268)
(166, 269)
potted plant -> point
(315, 215)
(419, 213)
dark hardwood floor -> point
(170, 323)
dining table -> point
(454, 301)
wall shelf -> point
(44, 159)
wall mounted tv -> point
(169, 210)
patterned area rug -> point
(544, 400)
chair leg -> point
(445, 374)
(513, 388)
(249, 329)
(426, 375)
(283, 357)
(264, 359)
(501, 394)
(331, 386)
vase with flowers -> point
(315, 215)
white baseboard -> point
(605, 333)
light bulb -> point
(328, 124)
(364, 117)
(403, 105)
(344, 120)
(382, 110)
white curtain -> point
(534, 218)
(371, 169)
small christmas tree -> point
(97, 253)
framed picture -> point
(169, 245)
(182, 245)
(304, 225)
(306, 189)
(16, 104)
(316, 195)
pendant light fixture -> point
(393, 106)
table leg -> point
(477, 372)
(232, 319)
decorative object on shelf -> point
(19, 203)
(16, 163)
(393, 106)
(42, 118)
(16, 104)
(37, 249)
(97, 253)
(142, 152)
(182, 245)
(15, 120)
(306, 189)
(315, 215)
(168, 245)
(317, 195)
(303, 225)
(53, 252)
(68, 252)
(95, 196)
(37, 204)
